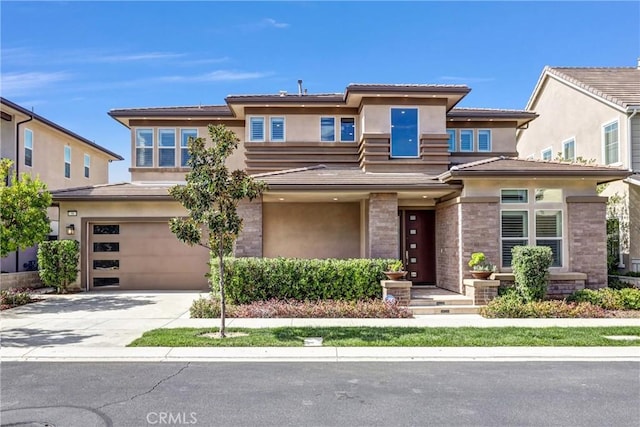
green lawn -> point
(391, 337)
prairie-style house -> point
(60, 157)
(380, 171)
(593, 114)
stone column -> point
(384, 233)
(587, 238)
(249, 242)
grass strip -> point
(392, 337)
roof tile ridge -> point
(586, 86)
(171, 107)
(288, 171)
(479, 162)
(86, 187)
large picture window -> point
(404, 132)
(144, 147)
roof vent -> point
(283, 93)
(299, 87)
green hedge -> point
(261, 279)
(609, 299)
(531, 271)
(58, 261)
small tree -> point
(58, 261)
(531, 271)
(23, 210)
(211, 196)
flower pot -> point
(481, 274)
(395, 275)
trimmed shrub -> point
(209, 308)
(261, 279)
(531, 271)
(512, 306)
(14, 297)
(58, 261)
(615, 283)
(609, 299)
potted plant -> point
(395, 271)
(480, 267)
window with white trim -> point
(610, 142)
(547, 154)
(87, 165)
(347, 129)
(256, 129)
(327, 129)
(569, 150)
(166, 148)
(185, 135)
(277, 129)
(466, 140)
(514, 226)
(28, 147)
(549, 233)
(484, 140)
(67, 161)
(144, 147)
(452, 140)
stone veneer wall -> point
(249, 242)
(634, 223)
(587, 239)
(23, 279)
(447, 248)
(480, 230)
(383, 225)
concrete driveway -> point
(95, 319)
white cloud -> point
(215, 76)
(466, 79)
(265, 24)
(204, 61)
(144, 56)
(270, 22)
(25, 83)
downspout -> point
(18, 170)
(629, 135)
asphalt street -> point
(321, 394)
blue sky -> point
(74, 61)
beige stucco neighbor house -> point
(593, 114)
(392, 171)
(60, 157)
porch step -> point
(440, 300)
(444, 309)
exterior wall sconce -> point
(71, 229)
(72, 213)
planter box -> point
(23, 279)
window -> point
(327, 129)
(547, 154)
(166, 148)
(514, 196)
(106, 264)
(452, 140)
(404, 132)
(144, 147)
(569, 150)
(548, 195)
(256, 129)
(277, 129)
(466, 140)
(515, 232)
(28, 147)
(87, 165)
(106, 247)
(549, 233)
(106, 281)
(347, 129)
(106, 229)
(484, 140)
(184, 144)
(611, 143)
(67, 161)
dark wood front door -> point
(419, 244)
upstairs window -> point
(144, 147)
(347, 129)
(547, 154)
(327, 129)
(167, 148)
(277, 129)
(404, 132)
(67, 161)
(484, 140)
(466, 140)
(610, 139)
(87, 165)
(569, 150)
(256, 129)
(452, 140)
(28, 147)
(184, 145)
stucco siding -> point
(635, 143)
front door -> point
(419, 244)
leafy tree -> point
(23, 210)
(211, 196)
(58, 261)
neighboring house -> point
(61, 158)
(592, 114)
(380, 171)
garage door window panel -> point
(106, 247)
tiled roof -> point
(619, 85)
(56, 126)
(124, 190)
(490, 112)
(194, 110)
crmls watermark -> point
(171, 418)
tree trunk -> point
(222, 302)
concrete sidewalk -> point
(97, 326)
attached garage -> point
(141, 255)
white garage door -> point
(143, 256)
